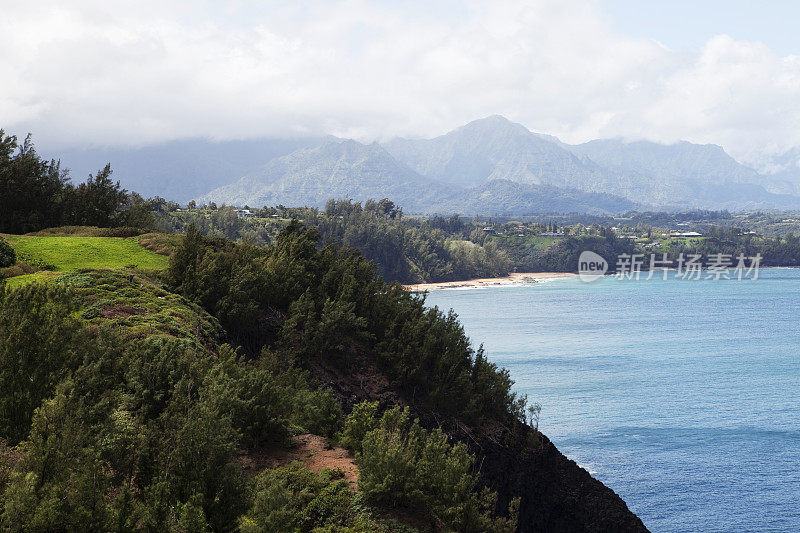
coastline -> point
(515, 278)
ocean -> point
(683, 396)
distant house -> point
(686, 234)
(487, 229)
(244, 213)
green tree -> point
(7, 255)
(30, 187)
(401, 463)
(41, 344)
(96, 202)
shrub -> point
(293, 498)
(88, 231)
(7, 255)
(358, 423)
(317, 411)
(40, 344)
(403, 464)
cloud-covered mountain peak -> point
(681, 161)
(493, 125)
(491, 148)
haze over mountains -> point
(489, 166)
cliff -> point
(557, 495)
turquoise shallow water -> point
(682, 396)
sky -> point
(131, 73)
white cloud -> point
(138, 72)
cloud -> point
(139, 72)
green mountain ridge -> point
(448, 171)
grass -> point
(19, 281)
(136, 307)
(532, 241)
(63, 254)
(161, 243)
(114, 282)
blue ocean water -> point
(683, 396)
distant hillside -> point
(180, 170)
(677, 176)
(335, 169)
(504, 197)
(782, 172)
(453, 172)
(495, 148)
(347, 169)
(681, 174)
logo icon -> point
(591, 266)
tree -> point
(97, 202)
(7, 255)
(30, 187)
(38, 350)
(137, 212)
(534, 410)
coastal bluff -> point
(557, 495)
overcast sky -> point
(138, 72)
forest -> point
(160, 391)
(109, 423)
(111, 427)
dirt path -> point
(312, 450)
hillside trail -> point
(313, 451)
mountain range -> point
(489, 166)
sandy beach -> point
(515, 278)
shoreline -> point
(515, 278)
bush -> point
(403, 464)
(293, 498)
(7, 255)
(88, 231)
(360, 421)
(41, 343)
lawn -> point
(19, 281)
(62, 254)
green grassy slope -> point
(136, 307)
(19, 281)
(63, 254)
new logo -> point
(591, 266)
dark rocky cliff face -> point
(556, 494)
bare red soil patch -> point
(313, 451)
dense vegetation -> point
(7, 254)
(36, 194)
(454, 248)
(326, 305)
(403, 463)
(124, 406)
(407, 249)
(403, 249)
